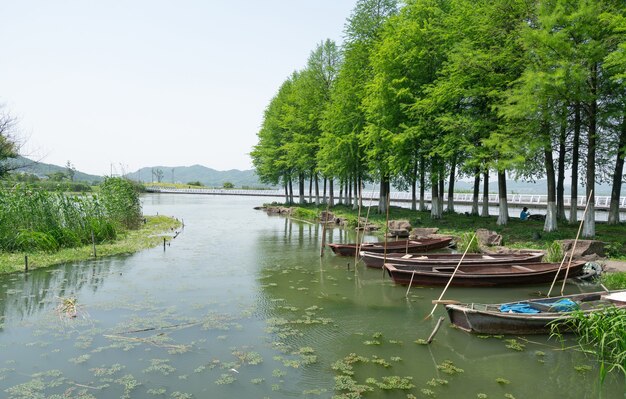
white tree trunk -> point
(503, 215)
(551, 218)
(434, 208)
(589, 227)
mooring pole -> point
(25, 263)
(93, 242)
(163, 243)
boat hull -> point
(401, 246)
(487, 276)
(487, 319)
(375, 260)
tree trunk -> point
(317, 190)
(422, 184)
(301, 188)
(503, 214)
(618, 176)
(286, 192)
(451, 184)
(560, 183)
(290, 191)
(485, 212)
(476, 193)
(324, 200)
(589, 228)
(341, 185)
(434, 202)
(349, 192)
(356, 193)
(331, 193)
(442, 185)
(383, 195)
(311, 189)
(573, 213)
(414, 187)
(550, 223)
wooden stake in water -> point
(571, 256)
(93, 242)
(25, 263)
(432, 335)
(452, 276)
(410, 283)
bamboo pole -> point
(571, 256)
(432, 335)
(453, 273)
(410, 283)
(358, 224)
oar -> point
(452, 276)
(582, 221)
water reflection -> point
(40, 289)
(241, 290)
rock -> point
(488, 238)
(280, 210)
(399, 225)
(585, 249)
(398, 233)
(327, 217)
(423, 232)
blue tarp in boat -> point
(562, 305)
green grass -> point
(147, 236)
(516, 234)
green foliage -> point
(468, 239)
(554, 253)
(121, 201)
(228, 185)
(194, 183)
(614, 281)
(603, 332)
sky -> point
(113, 86)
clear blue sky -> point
(152, 82)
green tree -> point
(8, 146)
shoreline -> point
(149, 235)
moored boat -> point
(484, 275)
(399, 246)
(531, 316)
(376, 260)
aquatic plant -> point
(225, 379)
(467, 239)
(515, 345)
(604, 332)
(502, 381)
(614, 281)
(554, 253)
(448, 367)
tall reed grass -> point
(33, 219)
(604, 332)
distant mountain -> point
(207, 176)
(42, 170)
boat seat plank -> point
(518, 267)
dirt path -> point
(613, 265)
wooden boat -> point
(482, 275)
(516, 318)
(372, 259)
(400, 246)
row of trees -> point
(432, 90)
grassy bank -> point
(147, 236)
(516, 234)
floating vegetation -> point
(427, 392)
(251, 358)
(181, 395)
(509, 396)
(437, 382)
(421, 341)
(502, 381)
(157, 391)
(482, 396)
(372, 342)
(68, 308)
(395, 382)
(349, 386)
(396, 359)
(225, 379)
(582, 369)
(128, 383)
(160, 366)
(448, 367)
(80, 359)
(515, 345)
(257, 381)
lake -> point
(242, 305)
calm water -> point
(241, 305)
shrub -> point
(121, 202)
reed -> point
(604, 332)
(34, 219)
(554, 253)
